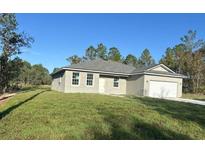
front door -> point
(101, 85)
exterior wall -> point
(110, 89)
(148, 78)
(135, 85)
(82, 87)
(58, 82)
(159, 68)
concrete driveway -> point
(187, 101)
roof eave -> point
(94, 71)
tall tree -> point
(101, 51)
(131, 60)
(39, 75)
(11, 41)
(169, 59)
(114, 54)
(191, 42)
(186, 58)
(74, 59)
(90, 53)
(25, 71)
(146, 58)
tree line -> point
(187, 58)
(13, 70)
(113, 54)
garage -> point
(162, 89)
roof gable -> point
(160, 68)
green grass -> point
(45, 114)
(200, 97)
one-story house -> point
(109, 77)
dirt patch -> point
(5, 97)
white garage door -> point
(162, 89)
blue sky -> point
(58, 36)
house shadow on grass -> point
(178, 110)
(10, 109)
(200, 99)
(130, 128)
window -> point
(116, 82)
(75, 79)
(89, 81)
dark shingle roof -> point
(163, 73)
(112, 67)
(143, 68)
(105, 66)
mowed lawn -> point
(45, 114)
(200, 97)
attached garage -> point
(110, 77)
(162, 86)
(162, 89)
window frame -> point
(118, 82)
(78, 79)
(86, 81)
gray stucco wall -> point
(82, 87)
(135, 85)
(58, 82)
(110, 89)
(148, 78)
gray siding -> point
(110, 89)
(58, 82)
(135, 85)
(82, 87)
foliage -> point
(199, 96)
(74, 59)
(39, 75)
(25, 71)
(190, 41)
(27, 74)
(131, 60)
(114, 54)
(169, 59)
(43, 114)
(91, 53)
(146, 58)
(102, 51)
(11, 42)
(188, 58)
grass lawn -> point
(45, 114)
(199, 97)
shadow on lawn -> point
(129, 128)
(178, 110)
(10, 109)
(200, 99)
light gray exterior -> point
(82, 87)
(148, 78)
(58, 82)
(135, 85)
(131, 82)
